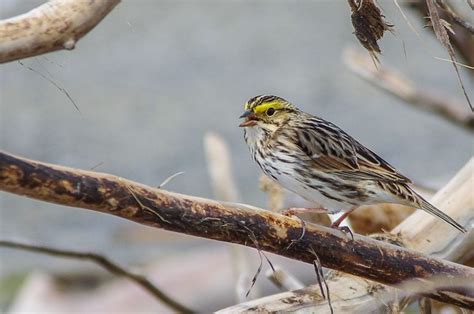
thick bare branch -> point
(236, 223)
(105, 263)
(55, 25)
(396, 84)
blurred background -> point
(154, 76)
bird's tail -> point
(426, 206)
(405, 195)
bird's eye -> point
(270, 111)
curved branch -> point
(55, 25)
(236, 223)
(105, 263)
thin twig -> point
(52, 82)
(106, 264)
(455, 17)
(458, 63)
(145, 208)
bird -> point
(317, 160)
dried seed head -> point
(369, 24)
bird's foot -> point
(344, 229)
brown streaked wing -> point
(333, 150)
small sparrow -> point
(320, 162)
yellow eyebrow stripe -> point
(263, 107)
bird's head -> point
(267, 111)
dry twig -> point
(55, 25)
(105, 263)
(396, 84)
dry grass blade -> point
(318, 268)
(458, 63)
(369, 25)
(261, 254)
(442, 35)
(254, 278)
(104, 263)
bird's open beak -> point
(250, 119)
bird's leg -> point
(338, 221)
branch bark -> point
(55, 25)
(236, 223)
